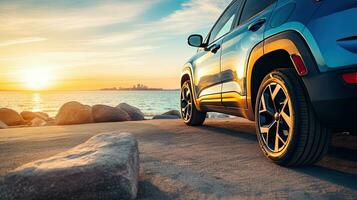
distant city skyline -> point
(138, 86)
(86, 45)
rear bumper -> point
(334, 101)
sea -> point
(150, 102)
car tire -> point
(288, 130)
(189, 112)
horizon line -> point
(79, 90)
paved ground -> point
(218, 161)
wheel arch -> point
(273, 53)
(187, 74)
(185, 77)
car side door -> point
(236, 49)
(206, 63)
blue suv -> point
(288, 65)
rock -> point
(11, 117)
(134, 112)
(217, 115)
(38, 122)
(74, 113)
(165, 117)
(29, 116)
(50, 122)
(44, 114)
(104, 167)
(3, 125)
(173, 112)
(103, 113)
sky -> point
(87, 45)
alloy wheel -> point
(186, 103)
(275, 119)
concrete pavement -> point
(220, 160)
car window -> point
(226, 28)
(225, 23)
(253, 7)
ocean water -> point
(150, 102)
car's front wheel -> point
(189, 112)
(288, 131)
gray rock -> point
(3, 125)
(74, 113)
(173, 112)
(215, 115)
(104, 167)
(134, 112)
(103, 113)
(165, 117)
(11, 117)
(38, 122)
(29, 116)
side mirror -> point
(196, 41)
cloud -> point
(193, 16)
(107, 36)
(41, 18)
(64, 24)
(21, 41)
(114, 38)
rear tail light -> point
(299, 65)
(350, 78)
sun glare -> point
(37, 79)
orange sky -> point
(86, 45)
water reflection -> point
(36, 102)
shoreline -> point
(150, 102)
(74, 112)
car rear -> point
(332, 37)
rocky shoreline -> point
(73, 112)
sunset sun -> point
(37, 79)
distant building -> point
(138, 86)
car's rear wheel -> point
(189, 112)
(288, 131)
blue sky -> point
(92, 44)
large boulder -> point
(134, 112)
(3, 125)
(104, 167)
(29, 116)
(173, 112)
(11, 117)
(103, 113)
(74, 113)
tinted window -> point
(226, 28)
(225, 23)
(253, 7)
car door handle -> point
(214, 49)
(256, 25)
